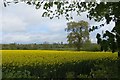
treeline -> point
(47, 46)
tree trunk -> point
(118, 54)
(78, 48)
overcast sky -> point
(22, 23)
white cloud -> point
(33, 38)
(31, 16)
(56, 26)
(13, 23)
(19, 18)
(8, 38)
(93, 40)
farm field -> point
(58, 64)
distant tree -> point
(45, 42)
(77, 33)
(61, 43)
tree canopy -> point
(78, 33)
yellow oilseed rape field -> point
(51, 63)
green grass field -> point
(55, 64)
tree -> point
(109, 11)
(78, 33)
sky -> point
(22, 23)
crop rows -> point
(48, 63)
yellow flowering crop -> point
(39, 57)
